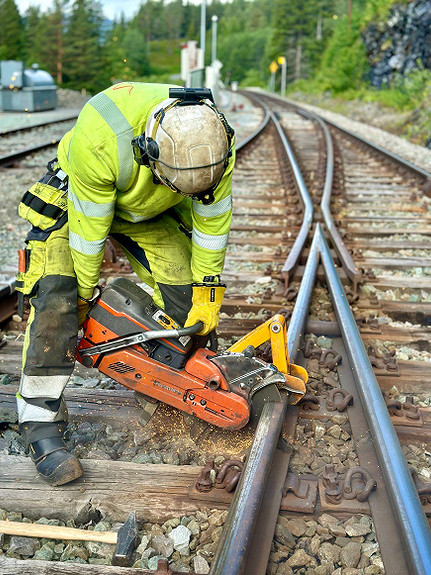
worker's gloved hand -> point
(83, 308)
(206, 303)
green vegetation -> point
(322, 41)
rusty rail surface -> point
(346, 259)
(236, 539)
(406, 506)
(295, 253)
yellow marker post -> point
(273, 69)
(283, 63)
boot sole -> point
(66, 472)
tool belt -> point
(44, 205)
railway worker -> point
(151, 167)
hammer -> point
(125, 540)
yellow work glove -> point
(83, 307)
(206, 303)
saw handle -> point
(191, 330)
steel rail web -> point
(237, 536)
(407, 507)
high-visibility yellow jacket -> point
(106, 183)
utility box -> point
(26, 89)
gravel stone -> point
(76, 552)
(180, 568)
(368, 549)
(45, 553)
(149, 552)
(200, 565)
(329, 552)
(323, 569)
(299, 559)
(194, 527)
(297, 526)
(283, 533)
(164, 546)
(284, 569)
(143, 544)
(355, 529)
(217, 518)
(350, 554)
(324, 342)
(25, 546)
(99, 550)
(180, 537)
(153, 562)
(372, 570)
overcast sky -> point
(111, 8)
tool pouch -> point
(44, 205)
(31, 267)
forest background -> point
(323, 41)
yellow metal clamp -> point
(275, 331)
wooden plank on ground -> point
(113, 488)
(415, 377)
(10, 361)
(10, 566)
(113, 406)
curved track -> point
(323, 443)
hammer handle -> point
(56, 532)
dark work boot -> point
(48, 451)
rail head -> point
(307, 221)
(244, 143)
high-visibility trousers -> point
(159, 250)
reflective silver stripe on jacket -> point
(29, 412)
(48, 386)
(124, 133)
(89, 248)
(209, 242)
(221, 207)
(91, 209)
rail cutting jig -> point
(133, 341)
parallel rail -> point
(241, 548)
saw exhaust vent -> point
(121, 367)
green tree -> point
(35, 37)
(135, 53)
(344, 62)
(85, 64)
(51, 25)
(293, 24)
(11, 31)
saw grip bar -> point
(141, 337)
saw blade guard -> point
(275, 331)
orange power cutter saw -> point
(133, 341)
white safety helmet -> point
(187, 143)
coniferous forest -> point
(373, 50)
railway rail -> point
(14, 147)
(338, 473)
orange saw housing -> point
(217, 388)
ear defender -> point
(145, 150)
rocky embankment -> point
(399, 44)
